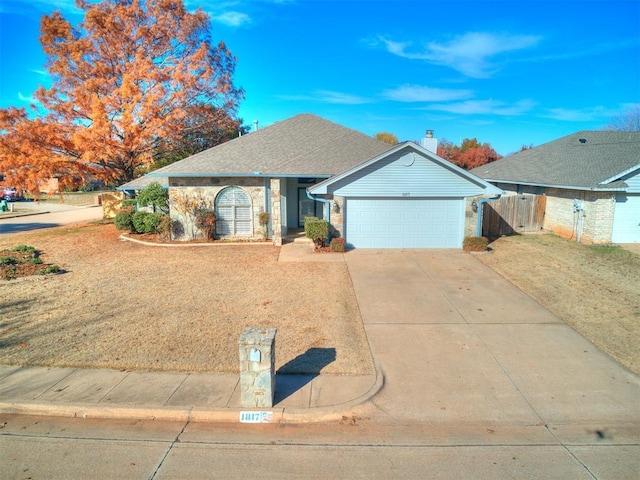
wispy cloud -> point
(589, 114)
(43, 6)
(231, 18)
(329, 96)
(486, 107)
(26, 99)
(473, 54)
(420, 93)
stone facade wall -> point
(276, 211)
(337, 218)
(203, 191)
(471, 217)
(597, 220)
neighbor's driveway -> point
(45, 215)
(462, 348)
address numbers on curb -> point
(256, 417)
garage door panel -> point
(626, 220)
(404, 223)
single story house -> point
(373, 194)
(591, 180)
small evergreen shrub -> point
(123, 221)
(50, 269)
(155, 196)
(145, 222)
(337, 244)
(24, 248)
(8, 261)
(138, 220)
(317, 230)
(475, 244)
(151, 222)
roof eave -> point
(246, 175)
(600, 187)
(622, 174)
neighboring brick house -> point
(375, 195)
(591, 180)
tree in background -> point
(628, 121)
(123, 83)
(386, 137)
(470, 154)
(204, 126)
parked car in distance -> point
(9, 194)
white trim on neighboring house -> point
(621, 174)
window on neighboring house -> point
(233, 212)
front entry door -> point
(306, 206)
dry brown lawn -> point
(128, 306)
(595, 289)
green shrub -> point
(24, 248)
(337, 244)
(154, 195)
(35, 260)
(205, 220)
(317, 230)
(7, 261)
(475, 244)
(152, 222)
(123, 221)
(145, 222)
(50, 269)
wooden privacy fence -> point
(511, 214)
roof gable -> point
(407, 170)
(591, 160)
(304, 145)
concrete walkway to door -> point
(469, 359)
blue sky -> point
(510, 73)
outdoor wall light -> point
(474, 206)
(336, 207)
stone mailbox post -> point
(257, 366)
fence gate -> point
(523, 213)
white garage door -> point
(626, 219)
(404, 223)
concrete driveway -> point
(462, 348)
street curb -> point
(280, 415)
(29, 214)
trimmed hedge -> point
(123, 221)
(317, 230)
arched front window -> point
(233, 212)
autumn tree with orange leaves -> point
(469, 154)
(124, 83)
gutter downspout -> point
(480, 206)
(323, 200)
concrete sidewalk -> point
(172, 396)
